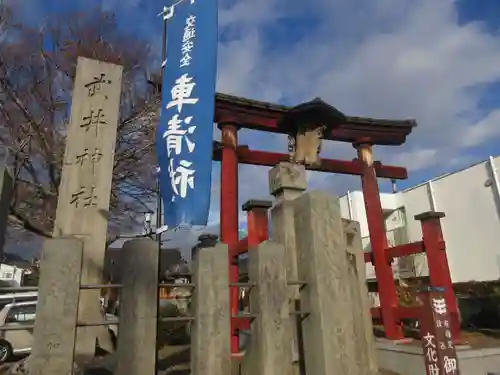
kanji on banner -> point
(184, 135)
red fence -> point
(432, 245)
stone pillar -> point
(330, 344)
(57, 309)
(269, 352)
(87, 171)
(6, 190)
(136, 352)
(210, 338)
(363, 328)
(204, 240)
(287, 181)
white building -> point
(12, 275)
(470, 198)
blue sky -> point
(437, 61)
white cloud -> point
(416, 159)
(477, 133)
(384, 58)
(379, 58)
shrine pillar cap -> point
(429, 215)
(256, 204)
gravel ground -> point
(174, 359)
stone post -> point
(204, 240)
(330, 344)
(136, 352)
(211, 333)
(269, 352)
(57, 309)
(287, 181)
(363, 327)
(87, 171)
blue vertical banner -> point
(184, 135)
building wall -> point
(357, 207)
(352, 207)
(416, 201)
(471, 227)
(11, 275)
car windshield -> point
(21, 314)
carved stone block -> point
(287, 176)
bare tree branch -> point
(37, 69)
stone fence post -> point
(211, 333)
(363, 327)
(136, 351)
(287, 181)
(269, 351)
(329, 338)
(57, 309)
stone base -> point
(409, 360)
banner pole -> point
(162, 70)
(159, 210)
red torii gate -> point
(233, 113)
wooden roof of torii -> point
(263, 116)
(257, 115)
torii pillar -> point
(229, 222)
(378, 240)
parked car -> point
(19, 341)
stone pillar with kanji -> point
(86, 178)
(440, 355)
